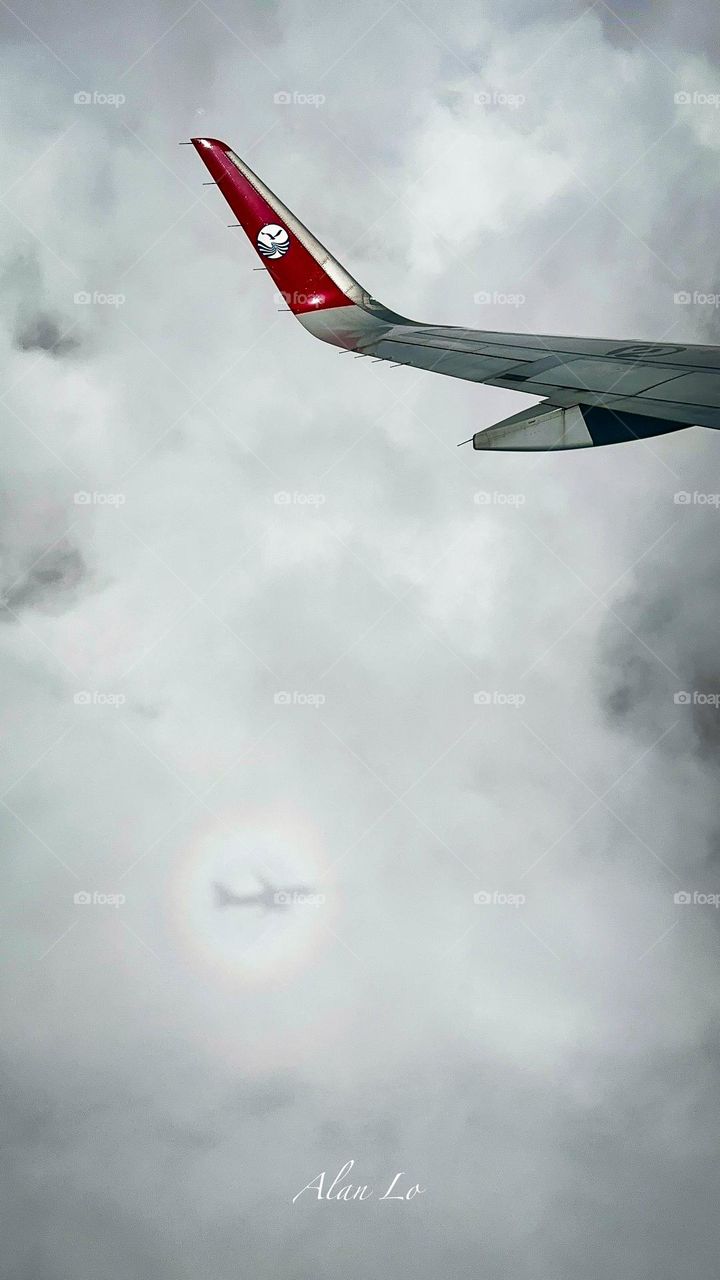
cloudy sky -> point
(261, 618)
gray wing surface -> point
(595, 391)
(670, 383)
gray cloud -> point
(173, 1076)
(54, 573)
(43, 332)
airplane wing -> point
(595, 391)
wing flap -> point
(544, 427)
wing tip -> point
(209, 144)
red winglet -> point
(305, 273)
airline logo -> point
(273, 241)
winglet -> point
(307, 275)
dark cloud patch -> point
(624, 20)
(713, 851)
(632, 682)
(24, 279)
(658, 651)
(667, 33)
(49, 584)
(706, 712)
(45, 332)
